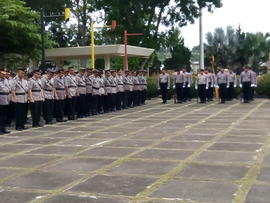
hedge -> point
(262, 90)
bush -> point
(263, 89)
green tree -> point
(19, 29)
(180, 55)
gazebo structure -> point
(106, 52)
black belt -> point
(36, 90)
(48, 90)
(60, 88)
(81, 85)
(95, 88)
(137, 84)
(20, 93)
(4, 93)
(88, 85)
(71, 86)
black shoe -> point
(4, 131)
(19, 128)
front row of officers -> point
(67, 93)
(205, 83)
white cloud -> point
(252, 15)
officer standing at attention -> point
(114, 89)
(102, 92)
(19, 90)
(36, 97)
(72, 93)
(254, 83)
(95, 92)
(232, 84)
(120, 91)
(126, 87)
(164, 85)
(81, 93)
(59, 85)
(178, 81)
(144, 83)
(4, 101)
(245, 83)
(187, 84)
(108, 90)
(136, 88)
(222, 84)
(211, 82)
(89, 89)
(49, 94)
(201, 86)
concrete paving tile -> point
(84, 199)
(164, 154)
(15, 148)
(197, 191)
(114, 185)
(4, 173)
(40, 140)
(193, 138)
(59, 150)
(213, 172)
(82, 142)
(107, 152)
(228, 157)
(18, 197)
(26, 161)
(41, 180)
(258, 194)
(235, 147)
(264, 174)
(129, 143)
(143, 167)
(80, 164)
(246, 139)
(181, 145)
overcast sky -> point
(252, 15)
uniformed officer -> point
(141, 87)
(71, 86)
(211, 82)
(164, 85)
(89, 89)
(233, 83)
(202, 86)
(11, 107)
(4, 101)
(59, 85)
(136, 88)
(49, 94)
(108, 90)
(187, 84)
(95, 92)
(131, 89)
(222, 83)
(19, 90)
(114, 89)
(245, 83)
(144, 83)
(102, 92)
(178, 82)
(254, 83)
(36, 97)
(126, 88)
(120, 91)
(82, 112)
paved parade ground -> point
(218, 153)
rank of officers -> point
(206, 82)
(67, 93)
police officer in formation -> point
(248, 82)
(82, 94)
(4, 101)
(164, 85)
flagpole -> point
(201, 42)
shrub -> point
(263, 89)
